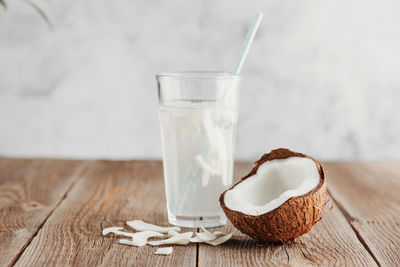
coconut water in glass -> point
(198, 115)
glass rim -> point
(197, 74)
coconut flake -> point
(173, 233)
(204, 229)
(215, 238)
(163, 251)
(186, 235)
(217, 141)
(117, 231)
(205, 235)
(140, 238)
(208, 170)
(206, 167)
(220, 240)
(219, 233)
(108, 230)
(138, 242)
(140, 225)
(196, 239)
(177, 240)
(147, 234)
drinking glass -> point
(198, 115)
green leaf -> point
(40, 12)
(3, 4)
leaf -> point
(3, 4)
(39, 11)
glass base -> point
(196, 222)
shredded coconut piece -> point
(186, 235)
(138, 242)
(204, 229)
(206, 235)
(140, 225)
(173, 233)
(206, 167)
(108, 230)
(117, 231)
(177, 240)
(196, 239)
(220, 240)
(208, 170)
(163, 251)
(219, 233)
(138, 239)
(147, 234)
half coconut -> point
(281, 198)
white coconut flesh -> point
(140, 225)
(273, 184)
(164, 251)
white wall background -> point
(322, 76)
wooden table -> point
(52, 213)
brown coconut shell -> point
(293, 218)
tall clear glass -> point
(198, 115)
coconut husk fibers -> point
(293, 218)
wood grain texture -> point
(107, 194)
(369, 195)
(56, 209)
(331, 242)
(29, 191)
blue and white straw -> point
(247, 43)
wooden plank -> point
(108, 194)
(331, 242)
(29, 191)
(369, 194)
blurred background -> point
(322, 77)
